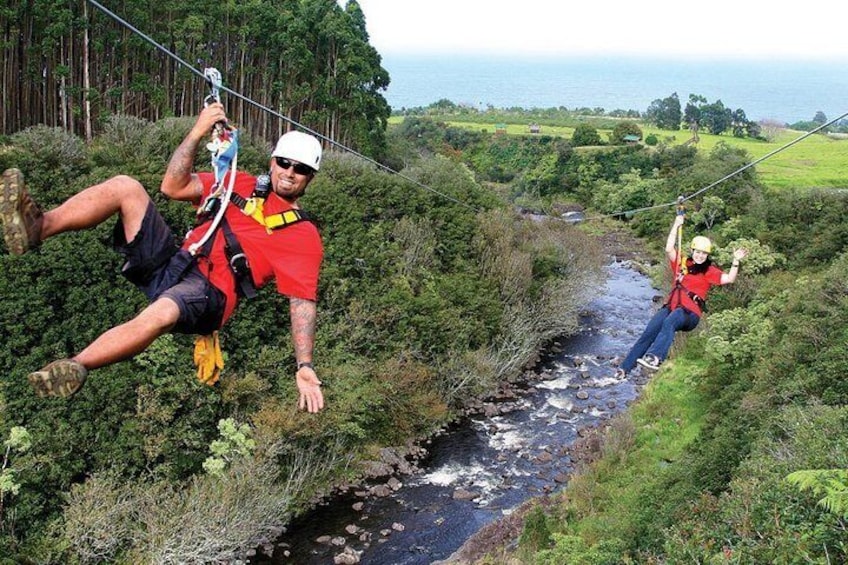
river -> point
(486, 465)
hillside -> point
(737, 451)
(816, 162)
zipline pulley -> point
(224, 150)
(213, 77)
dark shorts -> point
(156, 265)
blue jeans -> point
(659, 334)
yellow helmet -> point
(701, 243)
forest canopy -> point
(71, 65)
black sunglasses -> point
(299, 168)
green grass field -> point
(817, 161)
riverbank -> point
(520, 443)
(621, 246)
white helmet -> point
(701, 243)
(301, 147)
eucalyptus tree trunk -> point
(86, 87)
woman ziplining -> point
(693, 278)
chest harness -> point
(678, 288)
(253, 207)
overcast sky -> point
(712, 29)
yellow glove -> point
(208, 358)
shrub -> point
(740, 336)
(121, 143)
(585, 134)
(536, 534)
(52, 147)
(572, 550)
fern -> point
(832, 484)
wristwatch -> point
(305, 364)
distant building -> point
(630, 139)
(535, 128)
(500, 128)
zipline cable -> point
(420, 184)
(273, 112)
(724, 178)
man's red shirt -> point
(292, 254)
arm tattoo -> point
(303, 314)
(182, 161)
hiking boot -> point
(20, 215)
(60, 378)
(650, 362)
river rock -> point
(381, 491)
(544, 457)
(463, 494)
(374, 469)
(348, 557)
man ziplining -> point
(193, 288)
(694, 276)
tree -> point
(716, 117)
(753, 129)
(665, 113)
(623, 129)
(311, 61)
(712, 209)
(739, 123)
(585, 134)
(692, 112)
(770, 128)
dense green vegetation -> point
(817, 162)
(737, 452)
(72, 65)
(425, 303)
(699, 471)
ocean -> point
(784, 91)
